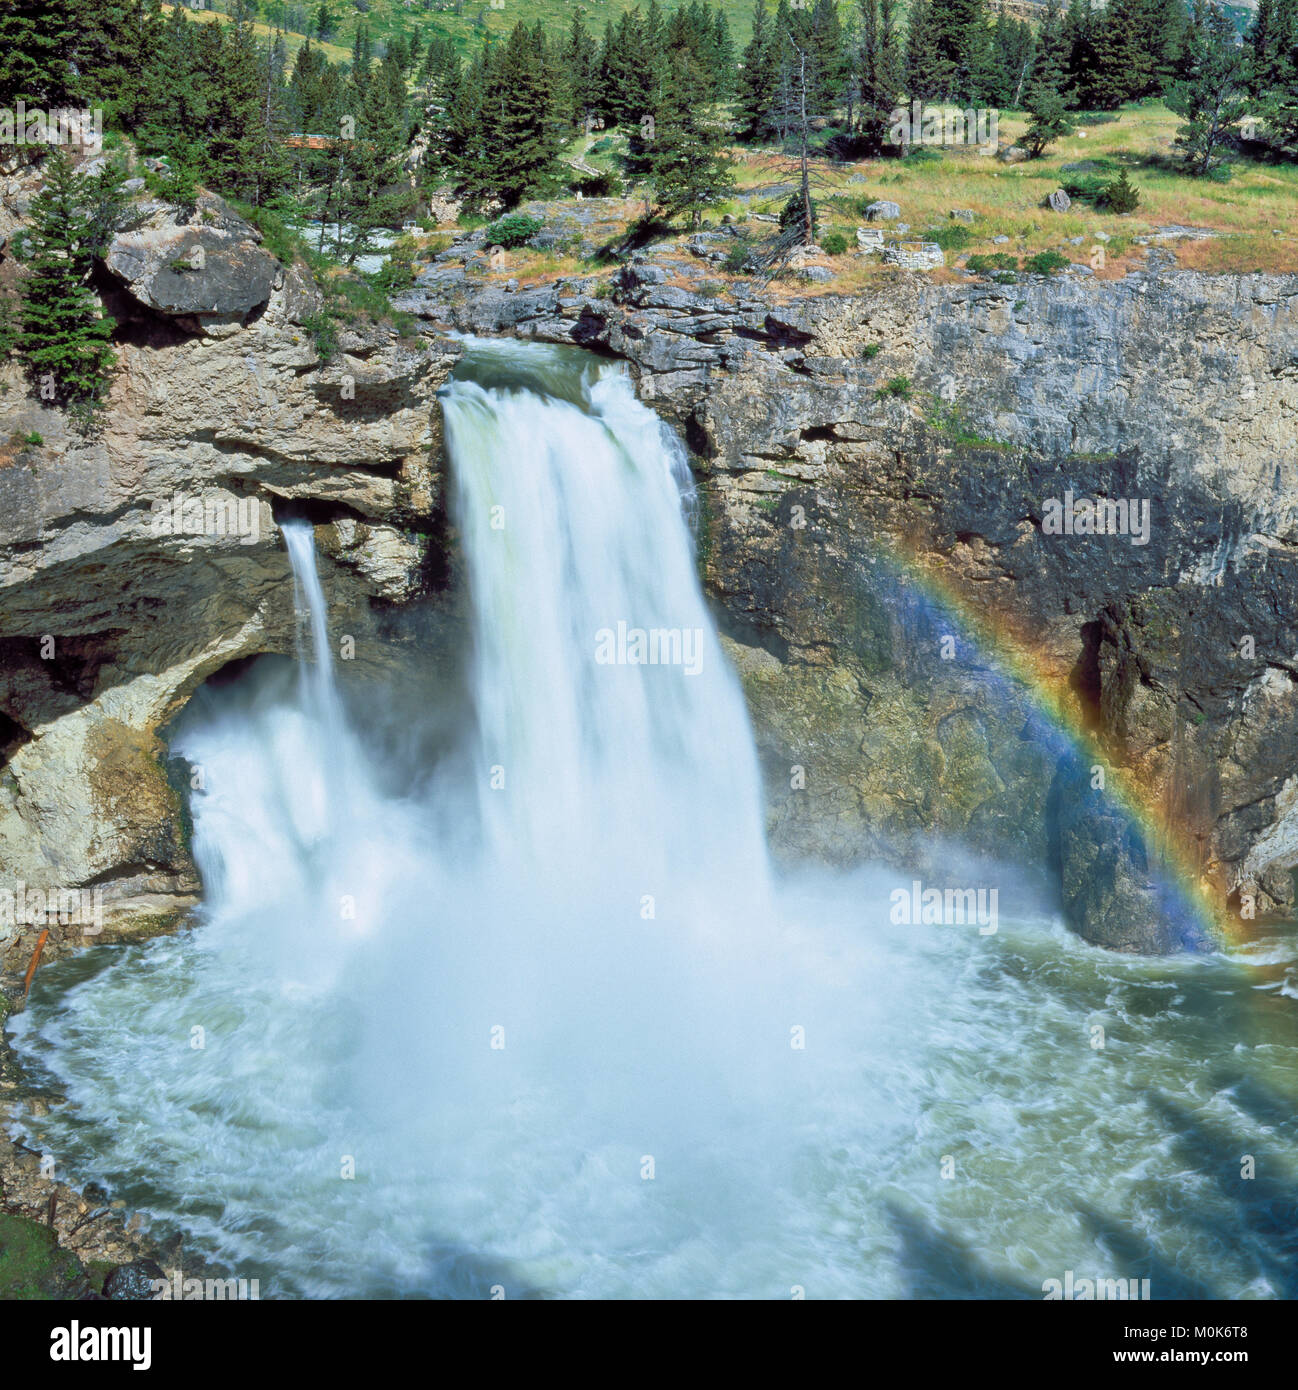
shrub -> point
(398, 269)
(737, 258)
(898, 386)
(513, 230)
(954, 236)
(324, 333)
(871, 350)
(923, 154)
(1045, 263)
(982, 264)
(1087, 190)
(834, 244)
(1121, 195)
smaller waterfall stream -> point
(539, 1016)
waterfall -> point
(538, 1017)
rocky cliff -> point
(885, 471)
(139, 561)
(892, 486)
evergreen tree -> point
(64, 335)
(1273, 70)
(521, 132)
(828, 60)
(1045, 100)
(757, 80)
(925, 71)
(1079, 63)
(688, 164)
(1013, 45)
(1211, 94)
(36, 39)
(467, 134)
(233, 143)
(579, 91)
(880, 75)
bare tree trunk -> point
(808, 223)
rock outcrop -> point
(136, 563)
(898, 492)
(883, 471)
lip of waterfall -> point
(540, 1019)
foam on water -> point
(544, 995)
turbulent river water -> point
(537, 1016)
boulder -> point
(133, 1282)
(1011, 154)
(1059, 201)
(208, 270)
(962, 215)
(883, 211)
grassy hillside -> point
(466, 21)
(1250, 218)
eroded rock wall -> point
(136, 563)
(880, 472)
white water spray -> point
(536, 1019)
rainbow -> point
(1188, 892)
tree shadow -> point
(936, 1264)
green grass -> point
(467, 22)
(32, 1266)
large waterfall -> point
(538, 1018)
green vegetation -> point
(33, 1267)
(513, 231)
(899, 386)
(1045, 263)
(64, 335)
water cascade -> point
(541, 1016)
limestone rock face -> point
(846, 532)
(137, 562)
(207, 269)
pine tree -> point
(723, 58)
(578, 95)
(1211, 94)
(467, 143)
(1045, 100)
(925, 71)
(36, 40)
(688, 164)
(1273, 71)
(757, 80)
(880, 78)
(960, 35)
(64, 335)
(521, 131)
(1079, 63)
(233, 144)
(370, 191)
(828, 60)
